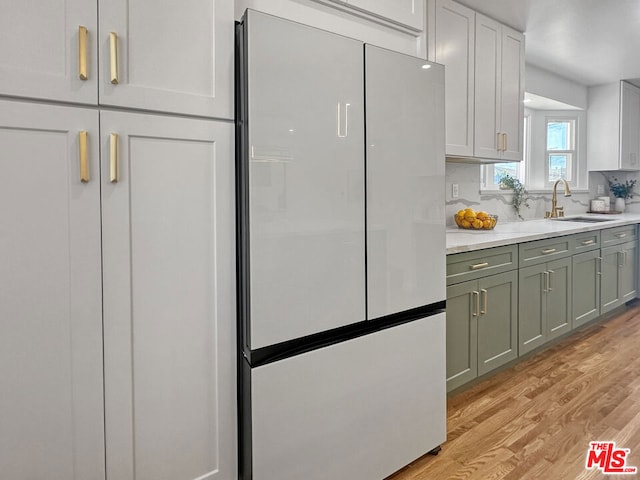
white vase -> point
(619, 205)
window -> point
(561, 150)
(492, 173)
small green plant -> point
(622, 190)
(508, 182)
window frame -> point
(572, 152)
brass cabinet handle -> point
(479, 265)
(549, 289)
(82, 52)
(548, 251)
(476, 302)
(485, 296)
(621, 235)
(505, 143)
(82, 151)
(113, 57)
(588, 242)
(113, 157)
(499, 141)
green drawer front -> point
(472, 265)
(540, 251)
(584, 242)
(618, 235)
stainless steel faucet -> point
(557, 211)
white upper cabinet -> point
(512, 94)
(613, 123)
(174, 57)
(167, 56)
(43, 50)
(51, 400)
(408, 13)
(452, 44)
(499, 91)
(484, 75)
(630, 127)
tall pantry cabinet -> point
(117, 328)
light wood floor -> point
(536, 419)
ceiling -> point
(588, 41)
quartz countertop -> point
(460, 240)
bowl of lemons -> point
(469, 219)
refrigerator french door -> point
(341, 254)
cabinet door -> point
(612, 259)
(454, 48)
(532, 307)
(305, 180)
(586, 287)
(462, 333)
(405, 180)
(51, 405)
(559, 291)
(39, 49)
(409, 13)
(512, 94)
(487, 87)
(630, 127)
(628, 271)
(498, 321)
(171, 56)
(169, 327)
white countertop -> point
(460, 240)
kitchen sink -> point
(583, 219)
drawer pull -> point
(548, 251)
(479, 265)
(621, 235)
(588, 242)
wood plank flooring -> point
(536, 419)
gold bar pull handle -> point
(479, 265)
(113, 158)
(548, 251)
(499, 141)
(505, 142)
(82, 52)
(549, 288)
(113, 57)
(588, 242)
(84, 164)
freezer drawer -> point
(360, 409)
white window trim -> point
(575, 160)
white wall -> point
(548, 84)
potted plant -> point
(508, 182)
(622, 191)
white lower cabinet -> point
(169, 328)
(51, 395)
(156, 289)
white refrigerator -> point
(341, 270)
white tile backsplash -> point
(467, 176)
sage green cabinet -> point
(619, 279)
(544, 303)
(586, 287)
(481, 326)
